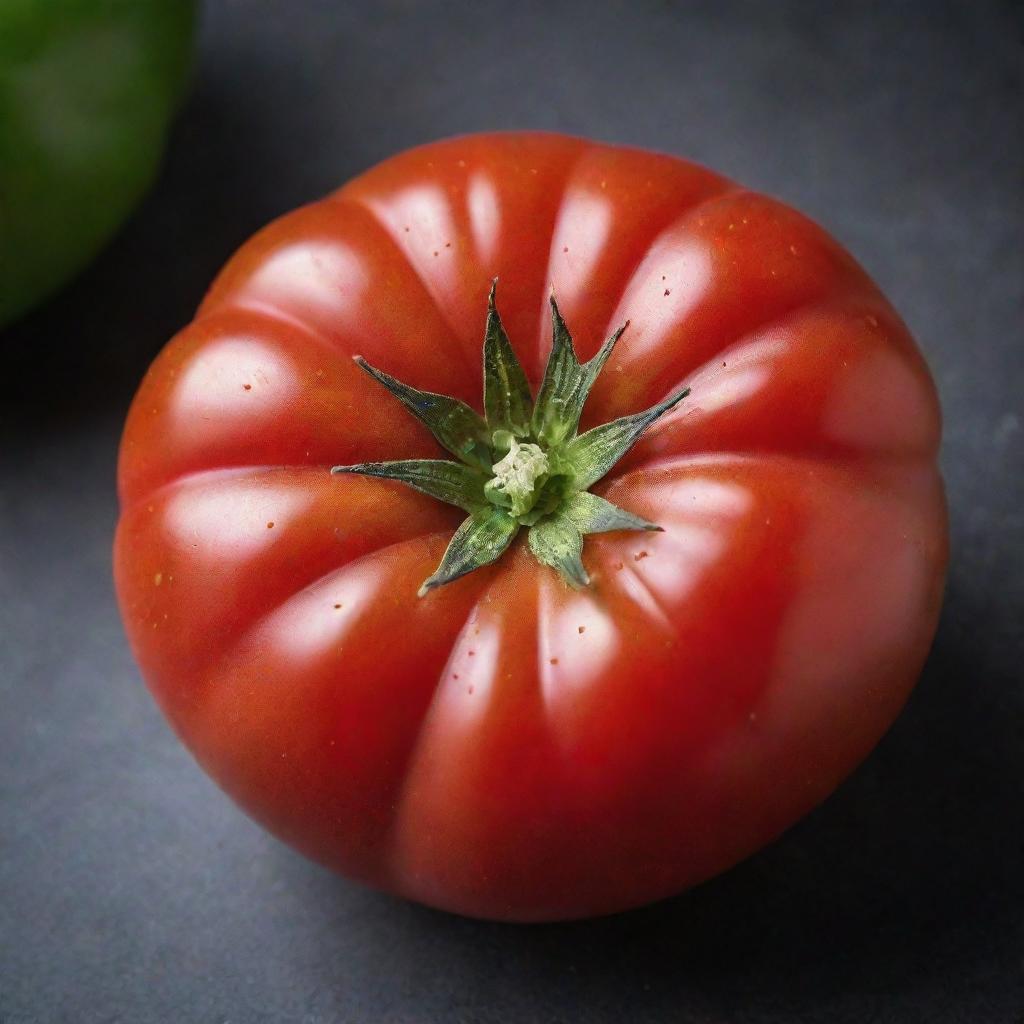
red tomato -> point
(507, 746)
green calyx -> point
(524, 463)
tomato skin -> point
(506, 747)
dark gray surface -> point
(131, 890)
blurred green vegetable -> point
(87, 88)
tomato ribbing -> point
(511, 746)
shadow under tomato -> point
(908, 876)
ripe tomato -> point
(509, 746)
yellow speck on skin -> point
(158, 579)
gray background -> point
(131, 890)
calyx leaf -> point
(557, 541)
(455, 426)
(593, 514)
(447, 481)
(592, 454)
(567, 382)
(507, 401)
(480, 540)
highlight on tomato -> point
(534, 527)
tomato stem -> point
(522, 464)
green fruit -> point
(87, 89)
